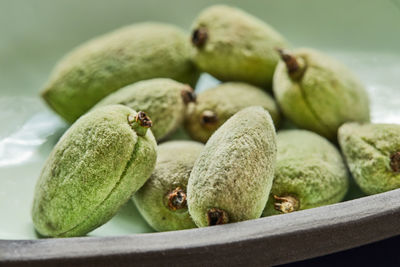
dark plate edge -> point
(268, 241)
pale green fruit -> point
(233, 45)
(318, 93)
(164, 101)
(309, 173)
(105, 64)
(216, 105)
(232, 178)
(162, 199)
(93, 170)
(372, 153)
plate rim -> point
(270, 240)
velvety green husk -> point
(239, 47)
(225, 100)
(105, 64)
(175, 160)
(309, 168)
(368, 149)
(325, 97)
(93, 170)
(235, 170)
(160, 98)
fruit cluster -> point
(118, 86)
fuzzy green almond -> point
(216, 105)
(319, 93)
(107, 63)
(93, 170)
(164, 101)
(309, 173)
(232, 178)
(233, 45)
(372, 152)
(162, 199)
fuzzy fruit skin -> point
(105, 64)
(239, 46)
(159, 98)
(367, 149)
(175, 161)
(225, 100)
(309, 168)
(235, 170)
(92, 171)
(325, 97)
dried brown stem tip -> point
(395, 161)
(199, 37)
(140, 123)
(188, 95)
(217, 216)
(143, 119)
(294, 65)
(286, 204)
(177, 199)
(208, 118)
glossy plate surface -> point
(34, 35)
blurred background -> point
(34, 35)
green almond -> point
(372, 153)
(164, 101)
(109, 62)
(93, 170)
(233, 45)
(216, 105)
(232, 178)
(318, 93)
(309, 173)
(163, 199)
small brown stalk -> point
(395, 161)
(177, 199)
(199, 37)
(208, 118)
(295, 65)
(140, 123)
(286, 204)
(188, 95)
(216, 217)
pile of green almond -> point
(286, 130)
